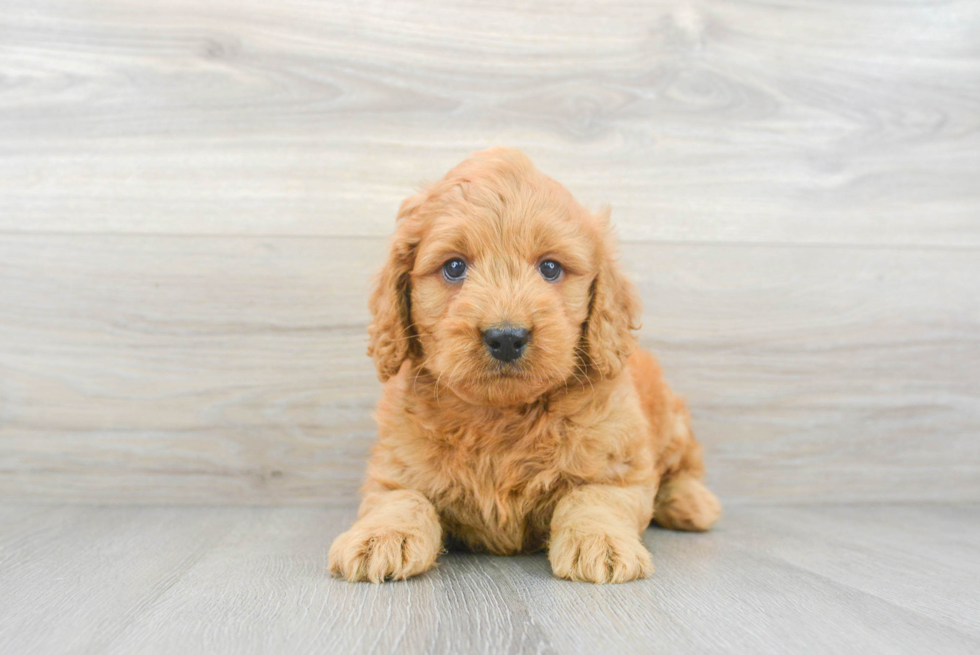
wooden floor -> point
(825, 579)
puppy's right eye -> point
(454, 270)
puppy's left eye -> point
(550, 270)
(454, 270)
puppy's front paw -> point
(600, 557)
(379, 553)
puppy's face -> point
(500, 291)
(495, 273)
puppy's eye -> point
(454, 270)
(550, 270)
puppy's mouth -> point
(507, 371)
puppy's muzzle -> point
(506, 344)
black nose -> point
(506, 344)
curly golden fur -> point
(575, 446)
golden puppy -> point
(517, 412)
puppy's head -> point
(501, 286)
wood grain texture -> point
(794, 121)
(834, 579)
(193, 197)
(148, 369)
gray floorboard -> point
(848, 578)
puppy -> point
(517, 412)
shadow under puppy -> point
(517, 412)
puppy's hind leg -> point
(683, 502)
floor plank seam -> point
(380, 238)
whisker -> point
(588, 379)
(417, 372)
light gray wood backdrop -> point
(194, 195)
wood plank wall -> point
(194, 195)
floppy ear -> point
(614, 310)
(391, 336)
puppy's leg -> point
(595, 534)
(397, 535)
(683, 502)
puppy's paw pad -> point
(379, 554)
(598, 557)
(686, 504)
